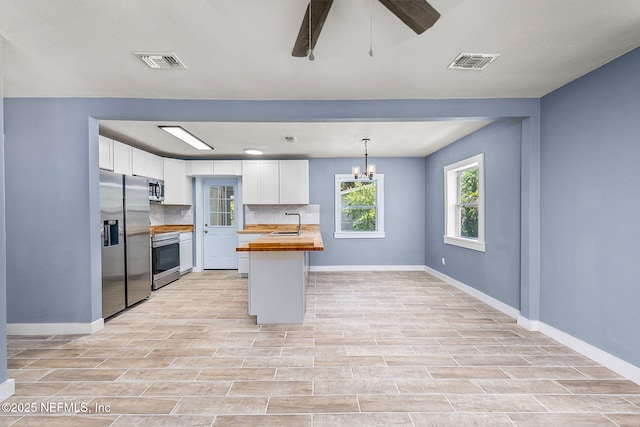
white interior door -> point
(220, 230)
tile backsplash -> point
(167, 215)
(253, 214)
(275, 214)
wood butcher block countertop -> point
(309, 240)
(183, 228)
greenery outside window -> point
(359, 207)
(464, 203)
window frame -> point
(379, 233)
(451, 204)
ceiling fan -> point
(418, 15)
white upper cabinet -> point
(105, 152)
(272, 182)
(200, 167)
(121, 158)
(138, 162)
(214, 167)
(146, 164)
(155, 166)
(177, 185)
(260, 182)
(294, 182)
(227, 167)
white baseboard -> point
(490, 301)
(7, 389)
(529, 325)
(607, 360)
(54, 328)
(366, 268)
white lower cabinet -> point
(186, 252)
(243, 257)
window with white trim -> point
(464, 203)
(359, 207)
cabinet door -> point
(138, 162)
(270, 185)
(186, 252)
(294, 182)
(105, 153)
(177, 186)
(227, 167)
(121, 158)
(201, 167)
(251, 182)
(155, 166)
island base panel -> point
(277, 287)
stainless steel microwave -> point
(156, 190)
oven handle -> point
(161, 243)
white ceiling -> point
(241, 49)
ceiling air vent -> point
(160, 60)
(472, 61)
(289, 139)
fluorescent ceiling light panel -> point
(253, 151)
(187, 137)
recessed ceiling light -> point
(187, 137)
(253, 151)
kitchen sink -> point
(285, 233)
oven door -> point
(165, 264)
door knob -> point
(206, 231)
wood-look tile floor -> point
(376, 349)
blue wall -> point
(50, 174)
(52, 181)
(3, 252)
(403, 213)
(495, 272)
(589, 208)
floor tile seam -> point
(625, 397)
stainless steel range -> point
(165, 248)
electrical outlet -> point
(443, 262)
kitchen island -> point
(278, 270)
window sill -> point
(476, 245)
(359, 235)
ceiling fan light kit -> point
(418, 15)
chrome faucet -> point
(299, 221)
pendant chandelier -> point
(369, 170)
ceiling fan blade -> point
(319, 12)
(419, 15)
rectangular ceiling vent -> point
(161, 60)
(472, 61)
(289, 139)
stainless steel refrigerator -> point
(126, 251)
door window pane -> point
(221, 206)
